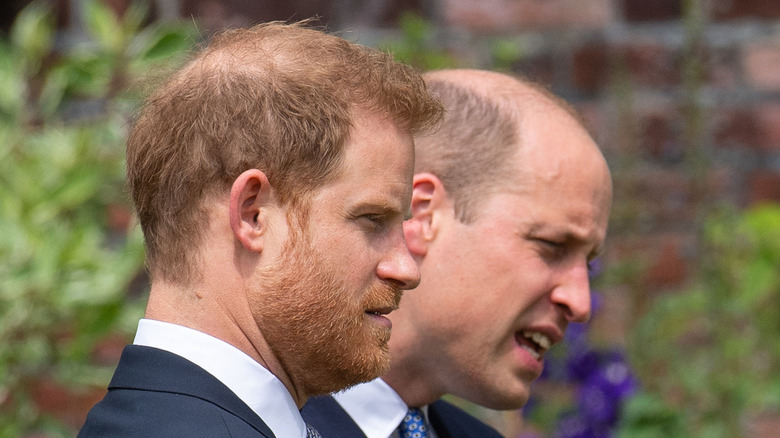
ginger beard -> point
(316, 325)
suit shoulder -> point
(458, 423)
(128, 413)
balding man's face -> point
(498, 292)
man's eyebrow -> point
(380, 207)
(567, 235)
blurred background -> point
(683, 96)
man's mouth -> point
(534, 342)
(381, 311)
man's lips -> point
(380, 311)
(537, 340)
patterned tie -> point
(413, 425)
(312, 432)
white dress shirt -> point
(250, 381)
(376, 408)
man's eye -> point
(551, 243)
(375, 218)
(552, 248)
(374, 221)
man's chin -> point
(364, 369)
(505, 401)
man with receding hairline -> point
(271, 176)
(510, 204)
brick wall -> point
(625, 64)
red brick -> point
(653, 199)
(657, 10)
(505, 15)
(762, 9)
(538, 67)
(668, 198)
(659, 137)
(69, 405)
(769, 116)
(107, 351)
(755, 127)
(737, 127)
(764, 186)
(590, 67)
(764, 425)
(664, 256)
(722, 68)
(760, 63)
(652, 65)
(669, 267)
(592, 117)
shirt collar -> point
(374, 406)
(263, 392)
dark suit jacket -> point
(155, 393)
(330, 420)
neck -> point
(414, 382)
(200, 310)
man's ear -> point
(428, 199)
(250, 197)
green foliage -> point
(65, 265)
(506, 51)
(709, 355)
(416, 46)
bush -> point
(67, 248)
(709, 355)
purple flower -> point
(576, 335)
(595, 267)
(595, 301)
(603, 392)
(577, 426)
(582, 363)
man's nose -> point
(399, 267)
(572, 293)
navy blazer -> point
(155, 393)
(449, 421)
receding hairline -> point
(247, 55)
(516, 99)
(503, 89)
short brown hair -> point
(277, 97)
(472, 150)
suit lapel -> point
(330, 419)
(438, 421)
(152, 369)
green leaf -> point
(646, 415)
(88, 73)
(134, 18)
(12, 84)
(53, 92)
(506, 52)
(103, 24)
(32, 33)
(165, 43)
